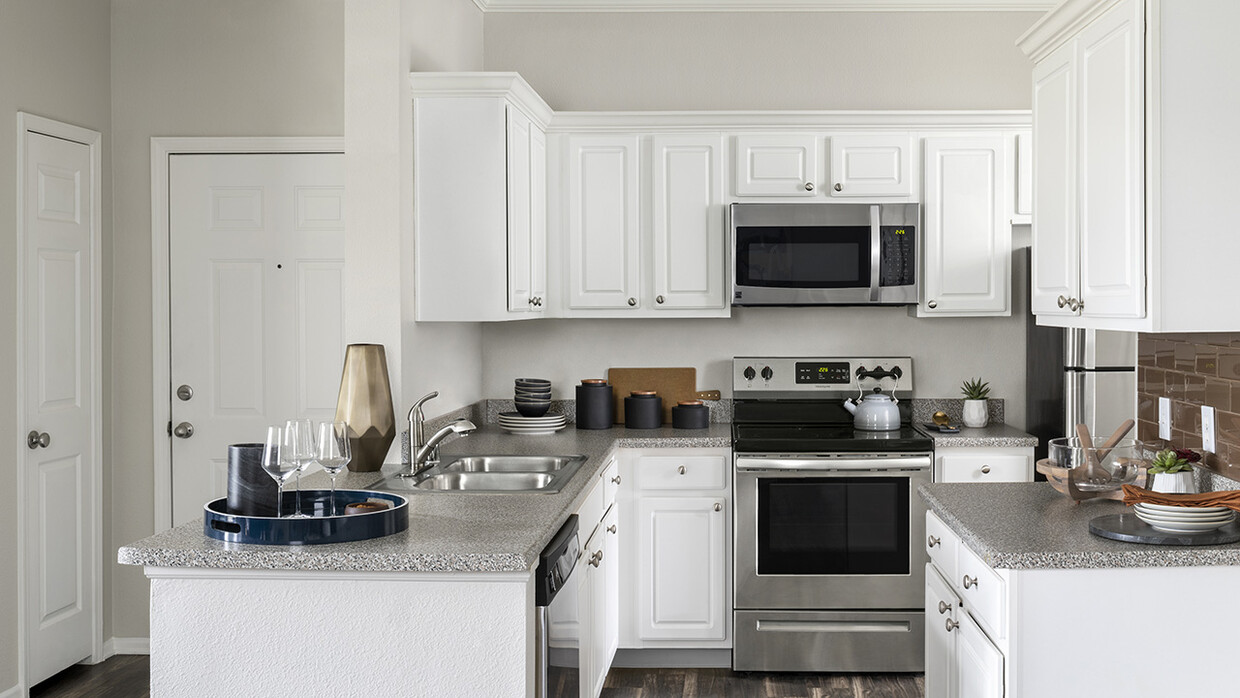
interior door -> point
(256, 245)
(59, 321)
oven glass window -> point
(836, 525)
(803, 256)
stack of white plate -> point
(516, 423)
(1184, 519)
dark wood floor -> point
(129, 675)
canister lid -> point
(594, 381)
(643, 393)
(690, 403)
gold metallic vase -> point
(365, 402)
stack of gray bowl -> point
(533, 396)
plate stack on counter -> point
(533, 399)
(1183, 519)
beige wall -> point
(53, 63)
(192, 68)
(743, 61)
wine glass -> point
(297, 448)
(333, 453)
(276, 466)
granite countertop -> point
(1028, 525)
(992, 435)
(448, 532)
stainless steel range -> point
(829, 567)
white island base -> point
(299, 633)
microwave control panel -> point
(898, 255)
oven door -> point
(830, 532)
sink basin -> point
(493, 474)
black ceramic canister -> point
(251, 491)
(643, 410)
(691, 414)
(595, 408)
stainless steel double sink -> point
(491, 475)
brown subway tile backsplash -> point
(1218, 394)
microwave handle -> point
(876, 250)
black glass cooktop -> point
(824, 439)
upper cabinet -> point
(777, 165)
(1133, 154)
(872, 165)
(479, 197)
(877, 166)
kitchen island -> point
(443, 608)
(1022, 600)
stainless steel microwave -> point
(825, 254)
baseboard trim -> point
(127, 645)
(673, 658)
(14, 692)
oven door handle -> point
(828, 464)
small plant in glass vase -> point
(975, 393)
(1172, 471)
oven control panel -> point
(805, 376)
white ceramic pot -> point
(975, 413)
(1182, 482)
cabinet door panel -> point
(688, 232)
(682, 568)
(979, 664)
(603, 225)
(941, 606)
(967, 237)
(1110, 60)
(783, 165)
(520, 228)
(871, 165)
(1055, 252)
(538, 217)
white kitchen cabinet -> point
(1132, 163)
(479, 197)
(983, 464)
(978, 664)
(676, 567)
(603, 227)
(942, 619)
(688, 236)
(776, 165)
(879, 165)
(597, 584)
(967, 237)
(1022, 188)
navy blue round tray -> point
(323, 526)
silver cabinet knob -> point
(658, 299)
(616, 479)
(184, 430)
(611, 528)
(1061, 301)
(944, 607)
(632, 302)
(809, 186)
(839, 187)
(951, 625)
(681, 470)
(35, 439)
(932, 541)
(969, 581)
(932, 304)
(985, 469)
(718, 506)
(1075, 305)
(596, 559)
(185, 392)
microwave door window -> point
(803, 257)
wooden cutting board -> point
(672, 384)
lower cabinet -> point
(982, 464)
(594, 633)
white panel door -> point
(688, 232)
(979, 664)
(682, 568)
(968, 239)
(1055, 251)
(520, 228)
(256, 245)
(777, 165)
(872, 165)
(603, 224)
(1110, 59)
(941, 606)
(60, 383)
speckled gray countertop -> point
(991, 436)
(1028, 525)
(448, 532)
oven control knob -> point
(749, 373)
(767, 373)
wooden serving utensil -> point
(1125, 427)
(1094, 472)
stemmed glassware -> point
(275, 464)
(297, 448)
(333, 453)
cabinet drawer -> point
(610, 477)
(941, 545)
(984, 468)
(982, 591)
(682, 473)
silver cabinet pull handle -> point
(681, 470)
(944, 607)
(35, 439)
(718, 506)
(596, 558)
(184, 430)
(632, 302)
(611, 528)
(1061, 301)
(839, 187)
(985, 469)
(951, 625)
(658, 299)
(969, 581)
(932, 304)
(809, 186)
(616, 479)
(932, 541)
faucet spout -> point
(427, 455)
(416, 420)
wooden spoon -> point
(1094, 473)
(1119, 434)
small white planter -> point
(975, 413)
(1182, 482)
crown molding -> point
(482, 84)
(1059, 25)
(764, 5)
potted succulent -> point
(1172, 471)
(975, 393)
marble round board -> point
(1130, 529)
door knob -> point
(658, 299)
(718, 506)
(985, 469)
(185, 392)
(969, 581)
(932, 305)
(35, 439)
(184, 430)
(932, 541)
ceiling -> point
(762, 5)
